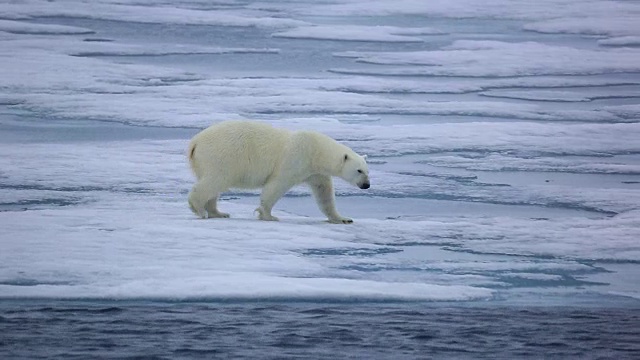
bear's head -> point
(355, 170)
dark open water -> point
(141, 330)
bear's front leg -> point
(322, 188)
(271, 193)
(341, 220)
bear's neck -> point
(328, 156)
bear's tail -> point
(191, 153)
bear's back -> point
(246, 152)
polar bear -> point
(250, 155)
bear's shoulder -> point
(312, 135)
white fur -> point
(249, 155)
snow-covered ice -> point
(20, 27)
(358, 33)
(499, 58)
(502, 138)
(621, 41)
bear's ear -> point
(364, 157)
(346, 157)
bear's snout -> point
(365, 186)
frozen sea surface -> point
(503, 148)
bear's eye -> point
(360, 171)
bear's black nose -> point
(365, 186)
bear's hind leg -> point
(195, 205)
(212, 209)
(203, 198)
(271, 193)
